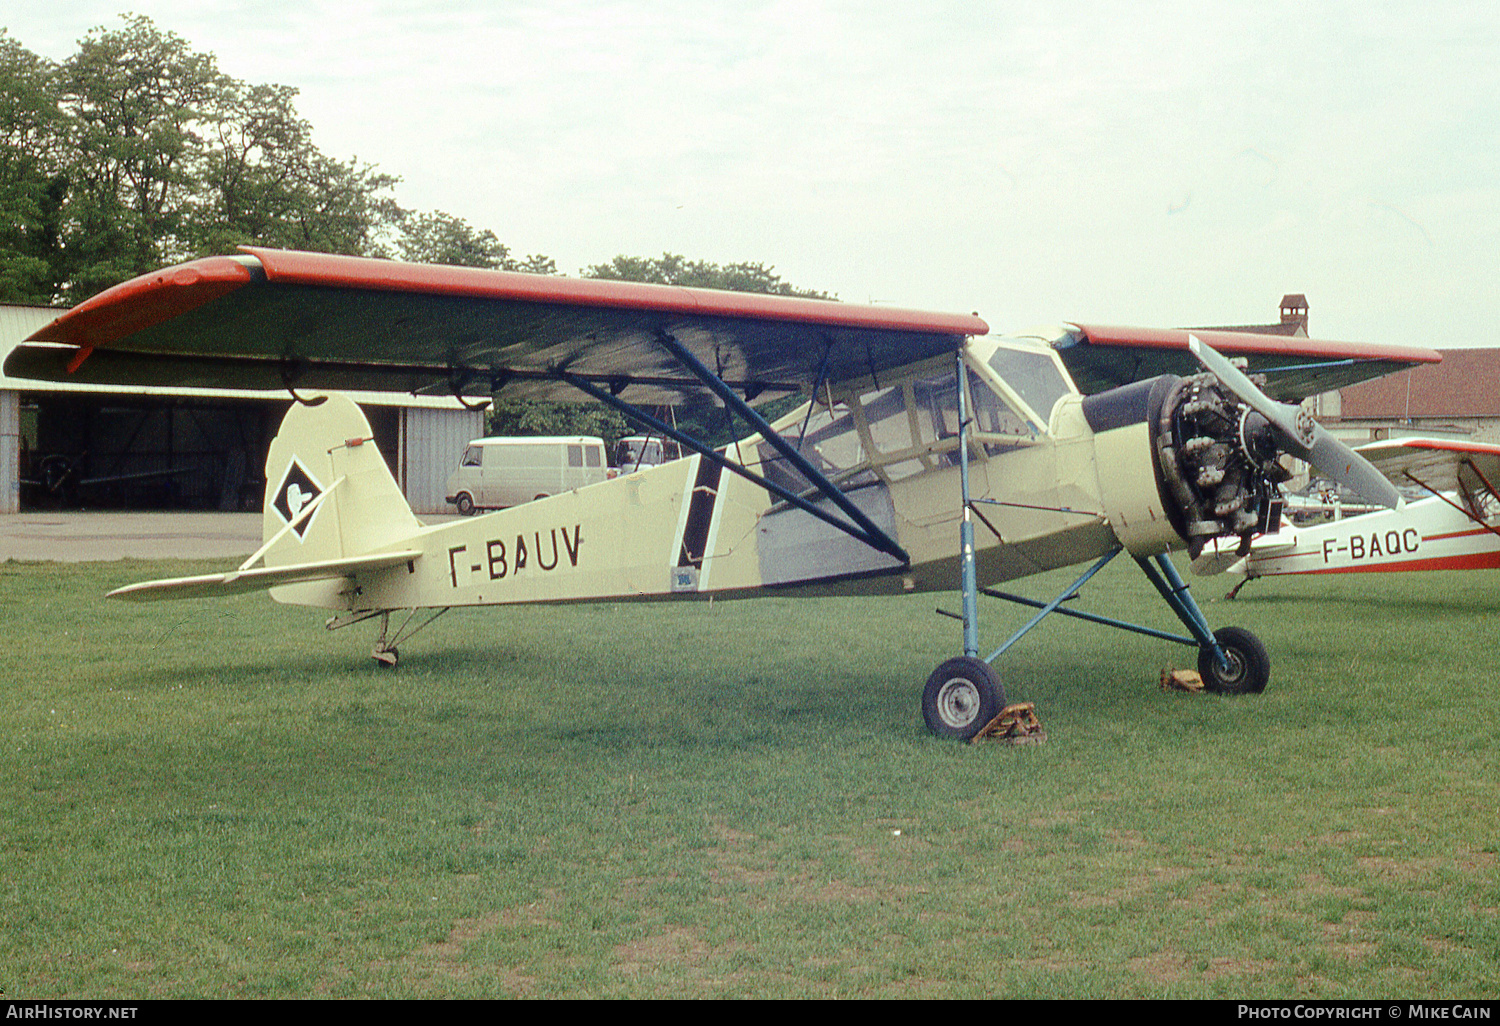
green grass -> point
(703, 800)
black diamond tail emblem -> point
(296, 491)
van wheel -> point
(464, 504)
(538, 495)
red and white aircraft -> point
(1456, 527)
(928, 456)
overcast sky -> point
(1163, 164)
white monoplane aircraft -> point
(917, 426)
(1456, 527)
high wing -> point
(1437, 464)
(274, 319)
(1101, 357)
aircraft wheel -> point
(1249, 665)
(962, 695)
(386, 658)
(464, 504)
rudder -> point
(326, 454)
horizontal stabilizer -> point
(237, 581)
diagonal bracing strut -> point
(862, 528)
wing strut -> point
(872, 534)
(874, 537)
(1472, 513)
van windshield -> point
(637, 450)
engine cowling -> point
(1182, 458)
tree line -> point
(137, 152)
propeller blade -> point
(1300, 435)
(1297, 432)
(1337, 461)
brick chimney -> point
(1294, 311)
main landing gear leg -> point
(1231, 660)
(964, 693)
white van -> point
(637, 452)
(498, 472)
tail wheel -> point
(962, 695)
(1249, 666)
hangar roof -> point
(1465, 384)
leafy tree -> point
(536, 263)
(136, 97)
(137, 152)
(263, 182)
(526, 417)
(32, 181)
(439, 238)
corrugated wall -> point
(431, 443)
(16, 322)
(10, 451)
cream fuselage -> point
(687, 528)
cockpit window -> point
(893, 432)
(885, 413)
(1034, 377)
(831, 444)
(937, 407)
(937, 413)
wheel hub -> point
(958, 702)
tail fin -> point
(327, 480)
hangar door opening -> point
(103, 452)
(96, 452)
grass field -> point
(739, 800)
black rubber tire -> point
(962, 695)
(1250, 667)
(464, 503)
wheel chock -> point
(1015, 725)
(1181, 680)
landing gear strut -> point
(385, 653)
(964, 693)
